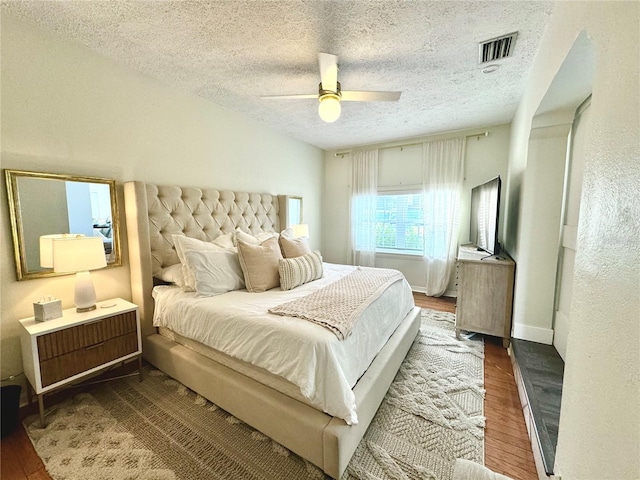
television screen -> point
(485, 207)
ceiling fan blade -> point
(328, 71)
(364, 96)
(302, 95)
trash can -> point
(10, 399)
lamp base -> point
(85, 294)
(85, 309)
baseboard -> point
(533, 334)
(448, 293)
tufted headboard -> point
(154, 213)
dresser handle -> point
(94, 346)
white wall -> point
(599, 435)
(485, 158)
(68, 110)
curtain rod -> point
(478, 135)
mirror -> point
(46, 203)
(290, 210)
(294, 211)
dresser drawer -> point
(63, 342)
(78, 361)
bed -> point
(267, 402)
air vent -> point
(497, 48)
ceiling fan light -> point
(329, 108)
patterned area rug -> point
(159, 429)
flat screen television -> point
(485, 209)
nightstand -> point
(58, 352)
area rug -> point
(159, 429)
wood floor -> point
(507, 447)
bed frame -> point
(153, 214)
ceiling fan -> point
(330, 95)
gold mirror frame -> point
(16, 214)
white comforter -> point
(307, 355)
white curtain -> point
(364, 192)
(442, 179)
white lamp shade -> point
(77, 254)
(46, 249)
(301, 230)
(329, 109)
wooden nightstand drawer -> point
(64, 366)
(67, 349)
(69, 340)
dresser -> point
(58, 352)
(485, 293)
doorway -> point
(569, 229)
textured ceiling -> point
(232, 52)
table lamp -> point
(46, 247)
(79, 254)
(301, 230)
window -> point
(400, 223)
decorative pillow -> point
(300, 270)
(215, 272)
(256, 239)
(184, 244)
(172, 274)
(294, 247)
(259, 264)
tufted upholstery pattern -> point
(203, 214)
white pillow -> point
(256, 239)
(215, 272)
(300, 270)
(225, 240)
(172, 274)
(184, 244)
(288, 233)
